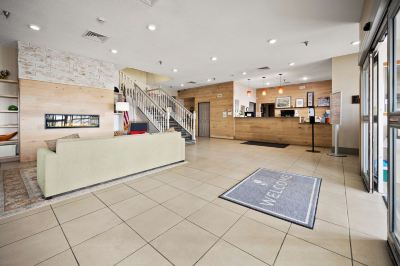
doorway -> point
(204, 119)
(268, 109)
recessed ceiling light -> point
(272, 41)
(151, 27)
(114, 51)
(355, 43)
(182, 84)
(244, 73)
(267, 83)
(34, 27)
(209, 80)
(214, 58)
(304, 78)
(292, 64)
(174, 70)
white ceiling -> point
(189, 32)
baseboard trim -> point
(350, 151)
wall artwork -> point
(300, 102)
(324, 101)
(310, 99)
(71, 121)
(282, 102)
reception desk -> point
(285, 130)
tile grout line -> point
(62, 230)
(124, 222)
(280, 248)
(348, 217)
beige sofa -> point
(80, 163)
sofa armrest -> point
(44, 156)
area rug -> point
(266, 144)
(288, 196)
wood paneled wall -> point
(320, 89)
(220, 97)
(39, 98)
(282, 130)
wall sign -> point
(71, 121)
(310, 99)
(336, 102)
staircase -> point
(162, 110)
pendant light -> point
(280, 89)
(249, 89)
(264, 92)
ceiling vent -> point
(192, 82)
(264, 68)
(94, 36)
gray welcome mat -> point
(288, 196)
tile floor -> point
(175, 217)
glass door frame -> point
(393, 124)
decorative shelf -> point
(6, 111)
(8, 126)
(9, 81)
(9, 96)
(9, 158)
(8, 142)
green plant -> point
(4, 74)
(12, 108)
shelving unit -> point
(9, 94)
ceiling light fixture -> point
(214, 58)
(264, 92)
(355, 43)
(114, 51)
(174, 70)
(292, 64)
(272, 41)
(34, 27)
(304, 78)
(244, 73)
(209, 80)
(182, 85)
(267, 83)
(151, 27)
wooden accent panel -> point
(220, 97)
(282, 130)
(320, 89)
(39, 98)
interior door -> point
(204, 119)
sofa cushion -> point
(52, 144)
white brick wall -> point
(44, 64)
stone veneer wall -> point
(44, 64)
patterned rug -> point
(19, 187)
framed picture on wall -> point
(299, 102)
(310, 99)
(282, 102)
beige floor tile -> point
(34, 249)
(109, 247)
(224, 254)
(131, 207)
(70, 199)
(65, 258)
(207, 192)
(146, 256)
(298, 252)
(226, 204)
(163, 193)
(190, 242)
(185, 183)
(185, 204)
(145, 184)
(269, 220)
(154, 222)
(332, 237)
(167, 177)
(87, 226)
(222, 182)
(370, 250)
(332, 212)
(27, 226)
(256, 238)
(117, 194)
(77, 208)
(24, 213)
(214, 219)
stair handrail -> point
(155, 113)
(179, 113)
